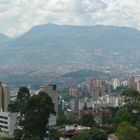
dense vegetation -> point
(34, 114)
(35, 110)
(92, 134)
(125, 121)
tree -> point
(106, 119)
(62, 120)
(56, 134)
(131, 110)
(87, 120)
(130, 92)
(34, 113)
(23, 94)
(126, 131)
(131, 96)
(92, 134)
(20, 104)
(122, 115)
(18, 134)
(36, 116)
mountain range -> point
(51, 44)
(3, 38)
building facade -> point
(131, 82)
(4, 97)
(51, 90)
(7, 123)
(116, 83)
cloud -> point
(18, 16)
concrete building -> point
(97, 88)
(101, 102)
(7, 120)
(4, 97)
(116, 83)
(51, 90)
(76, 104)
(137, 79)
(7, 123)
(131, 82)
(73, 92)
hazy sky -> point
(18, 16)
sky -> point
(18, 16)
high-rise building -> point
(73, 92)
(131, 82)
(97, 88)
(137, 80)
(116, 83)
(8, 123)
(51, 90)
(4, 97)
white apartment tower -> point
(116, 83)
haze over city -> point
(69, 69)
